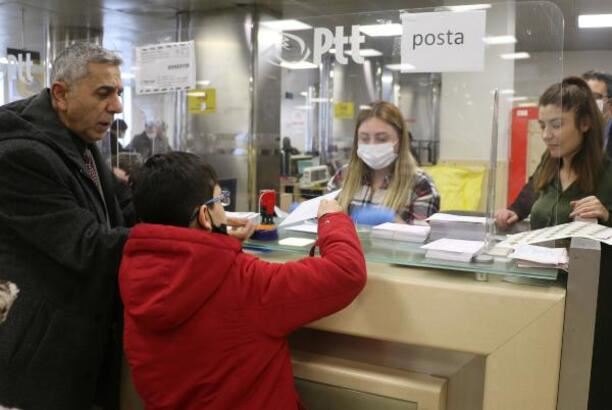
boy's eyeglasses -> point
(223, 199)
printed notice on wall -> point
(165, 67)
(443, 41)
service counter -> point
(437, 339)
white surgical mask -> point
(600, 104)
(377, 156)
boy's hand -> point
(241, 228)
(328, 206)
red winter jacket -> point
(205, 323)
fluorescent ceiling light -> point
(515, 56)
(468, 7)
(594, 20)
(517, 99)
(382, 30)
(507, 92)
(367, 52)
(493, 40)
(286, 25)
(203, 82)
(398, 67)
(300, 65)
(127, 76)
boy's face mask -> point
(222, 229)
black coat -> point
(56, 246)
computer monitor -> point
(298, 163)
(303, 164)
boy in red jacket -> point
(205, 323)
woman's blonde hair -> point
(404, 167)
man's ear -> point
(59, 94)
(204, 218)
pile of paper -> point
(456, 250)
(585, 230)
(540, 257)
(470, 228)
(400, 232)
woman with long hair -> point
(574, 178)
(382, 174)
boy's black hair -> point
(169, 187)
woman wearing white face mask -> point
(382, 174)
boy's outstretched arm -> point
(280, 297)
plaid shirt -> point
(424, 198)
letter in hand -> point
(589, 207)
(504, 218)
(241, 228)
(327, 206)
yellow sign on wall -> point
(202, 101)
(344, 110)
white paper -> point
(403, 228)
(448, 256)
(242, 215)
(279, 212)
(455, 245)
(295, 241)
(568, 230)
(401, 232)
(308, 228)
(541, 254)
(443, 41)
(307, 209)
(457, 218)
(165, 67)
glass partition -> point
(466, 81)
(273, 104)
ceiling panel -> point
(122, 18)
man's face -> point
(600, 92)
(87, 107)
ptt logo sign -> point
(21, 68)
(19, 64)
(324, 39)
(430, 42)
(294, 48)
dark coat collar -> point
(35, 118)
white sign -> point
(165, 67)
(443, 41)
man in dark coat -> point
(60, 237)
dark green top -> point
(553, 205)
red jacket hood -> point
(161, 262)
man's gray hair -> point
(70, 65)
